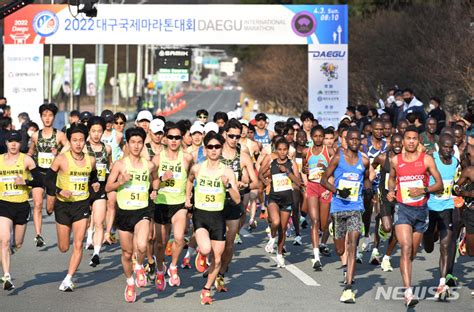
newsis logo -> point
(45, 23)
(304, 24)
(424, 293)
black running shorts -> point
(213, 222)
(66, 213)
(17, 212)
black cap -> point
(261, 116)
(14, 135)
(85, 116)
(108, 115)
(291, 121)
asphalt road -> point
(254, 282)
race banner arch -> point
(323, 28)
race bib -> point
(11, 189)
(45, 160)
(211, 197)
(448, 186)
(79, 185)
(101, 171)
(281, 182)
(353, 186)
(315, 174)
(299, 163)
(404, 186)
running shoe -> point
(140, 277)
(442, 293)
(347, 296)
(317, 266)
(160, 280)
(462, 247)
(89, 246)
(252, 225)
(270, 246)
(331, 229)
(263, 215)
(7, 283)
(280, 262)
(201, 263)
(174, 279)
(382, 234)
(359, 257)
(451, 280)
(304, 224)
(67, 286)
(206, 297)
(375, 257)
(268, 230)
(237, 239)
(324, 250)
(297, 241)
(169, 248)
(150, 269)
(365, 246)
(411, 300)
(95, 261)
(386, 265)
(220, 284)
(130, 294)
(186, 263)
(39, 240)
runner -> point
(387, 207)
(212, 180)
(316, 160)
(283, 172)
(70, 176)
(172, 165)
(197, 130)
(429, 138)
(45, 145)
(387, 131)
(14, 206)
(262, 135)
(130, 176)
(98, 201)
(350, 169)
(298, 195)
(409, 172)
(237, 158)
(441, 207)
(307, 119)
(202, 115)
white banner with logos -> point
(23, 79)
(328, 82)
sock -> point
(68, 278)
(96, 250)
(279, 256)
(89, 235)
(6, 275)
(206, 288)
(375, 250)
(408, 291)
(130, 281)
(348, 286)
(316, 253)
(190, 252)
(386, 257)
(367, 241)
(138, 266)
(172, 266)
(442, 281)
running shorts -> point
(213, 222)
(443, 220)
(386, 207)
(66, 213)
(19, 213)
(101, 194)
(468, 219)
(164, 213)
(417, 217)
(315, 189)
(126, 220)
(232, 211)
(346, 221)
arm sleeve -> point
(37, 180)
(93, 176)
(50, 182)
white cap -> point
(244, 122)
(157, 125)
(211, 126)
(197, 127)
(345, 117)
(231, 115)
(144, 115)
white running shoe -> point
(298, 241)
(280, 261)
(67, 286)
(270, 247)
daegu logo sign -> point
(45, 23)
(304, 24)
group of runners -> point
(144, 185)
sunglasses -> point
(119, 123)
(233, 136)
(159, 133)
(202, 116)
(174, 137)
(213, 146)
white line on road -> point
(302, 276)
(215, 102)
(245, 233)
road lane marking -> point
(302, 276)
(215, 101)
(245, 233)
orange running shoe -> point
(174, 279)
(169, 248)
(186, 263)
(160, 281)
(130, 295)
(201, 263)
(140, 277)
(458, 201)
(206, 297)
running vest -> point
(444, 200)
(234, 163)
(314, 172)
(281, 183)
(427, 143)
(264, 140)
(372, 152)
(101, 160)
(133, 195)
(200, 155)
(411, 174)
(385, 174)
(172, 191)
(43, 155)
(76, 179)
(111, 141)
(209, 192)
(149, 149)
(351, 177)
(9, 191)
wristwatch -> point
(425, 190)
(228, 186)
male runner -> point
(350, 169)
(14, 207)
(409, 172)
(131, 178)
(45, 145)
(429, 139)
(70, 176)
(262, 135)
(210, 181)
